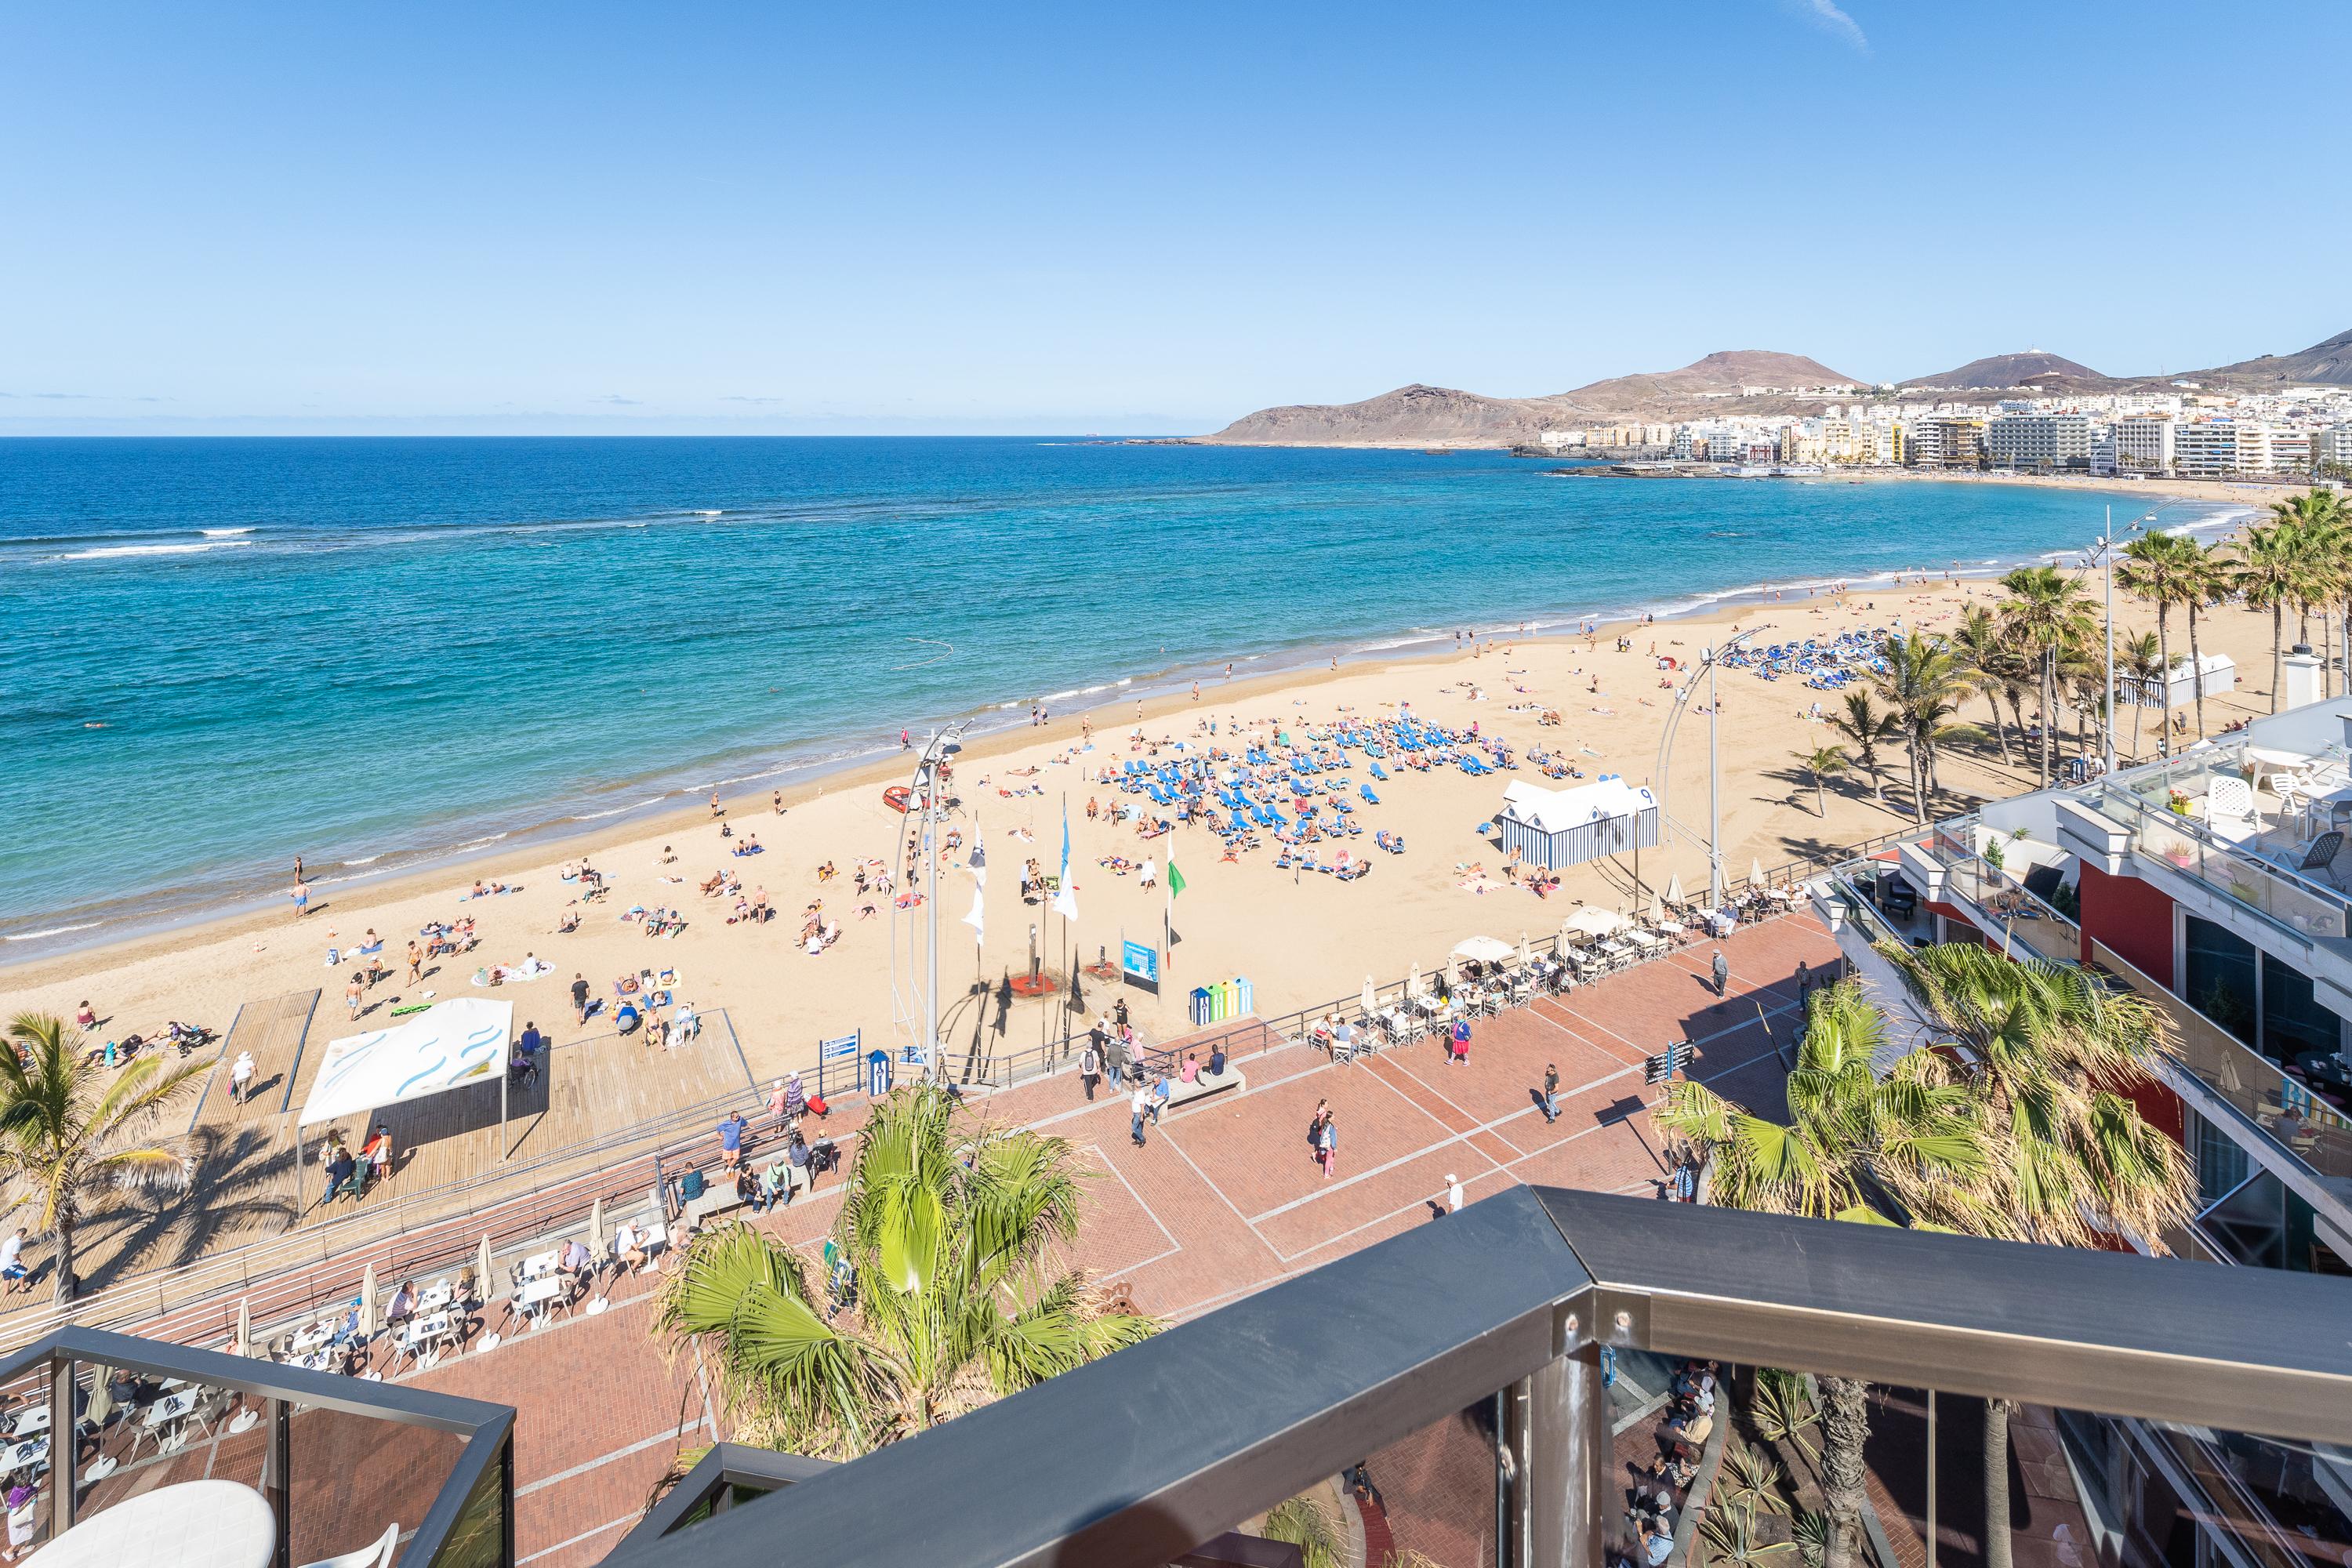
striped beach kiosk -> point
(1560, 827)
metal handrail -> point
(486, 1429)
(1165, 1445)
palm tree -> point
(1822, 762)
(2048, 1051)
(1982, 649)
(2049, 614)
(2157, 567)
(1923, 683)
(66, 1132)
(1909, 1134)
(2274, 565)
(1864, 726)
(946, 1227)
(2142, 660)
(2207, 579)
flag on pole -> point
(979, 861)
(1175, 877)
(977, 918)
(1065, 899)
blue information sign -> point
(841, 1047)
(1140, 961)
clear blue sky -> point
(1128, 219)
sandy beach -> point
(1299, 939)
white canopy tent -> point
(450, 1045)
(1483, 950)
(447, 1046)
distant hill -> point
(2032, 368)
(1413, 415)
(1420, 416)
(2326, 364)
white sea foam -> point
(114, 551)
(222, 533)
(364, 860)
(53, 930)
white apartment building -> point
(2332, 448)
(2039, 440)
(2144, 443)
(2206, 448)
(2290, 452)
(1923, 444)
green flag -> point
(1175, 880)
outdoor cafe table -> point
(439, 1294)
(536, 1294)
(196, 1524)
(542, 1263)
(431, 1329)
(24, 1456)
(31, 1420)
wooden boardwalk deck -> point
(276, 1032)
(591, 1090)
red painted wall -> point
(2131, 917)
(2160, 1108)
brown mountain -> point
(1726, 370)
(2326, 364)
(2034, 367)
(1420, 416)
(1413, 415)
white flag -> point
(1065, 900)
(977, 920)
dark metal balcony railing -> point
(1508, 1307)
(372, 1455)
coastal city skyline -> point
(799, 224)
(1246, 787)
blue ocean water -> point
(220, 653)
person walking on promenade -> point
(1327, 1145)
(1090, 1068)
(1137, 1107)
(1459, 1050)
(1315, 1129)
(1722, 967)
(1551, 1092)
(580, 995)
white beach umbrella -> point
(482, 1268)
(596, 1229)
(1527, 954)
(1674, 889)
(1657, 905)
(367, 1303)
(244, 1325)
(1755, 873)
(1413, 982)
(1453, 972)
(1371, 999)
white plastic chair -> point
(375, 1554)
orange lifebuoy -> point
(899, 798)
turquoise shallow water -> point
(219, 653)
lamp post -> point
(1709, 660)
(943, 744)
(2102, 551)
